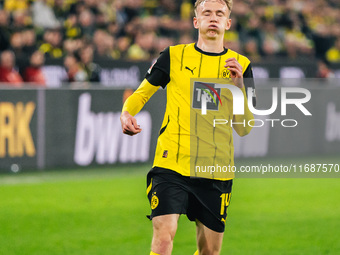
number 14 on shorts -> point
(225, 200)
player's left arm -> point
(242, 79)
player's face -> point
(212, 18)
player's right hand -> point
(129, 124)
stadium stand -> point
(138, 30)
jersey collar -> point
(211, 53)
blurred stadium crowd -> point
(85, 31)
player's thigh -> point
(165, 225)
(164, 230)
(167, 194)
(208, 241)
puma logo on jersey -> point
(192, 71)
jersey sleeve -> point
(159, 72)
(245, 128)
(249, 82)
(137, 100)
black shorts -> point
(203, 199)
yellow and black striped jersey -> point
(186, 138)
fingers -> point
(236, 71)
(231, 61)
(234, 67)
(129, 125)
(130, 133)
(134, 123)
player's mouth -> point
(213, 27)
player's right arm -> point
(133, 105)
(158, 75)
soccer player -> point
(171, 186)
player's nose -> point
(213, 17)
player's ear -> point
(195, 22)
(228, 25)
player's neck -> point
(213, 46)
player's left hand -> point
(236, 71)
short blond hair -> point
(229, 4)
